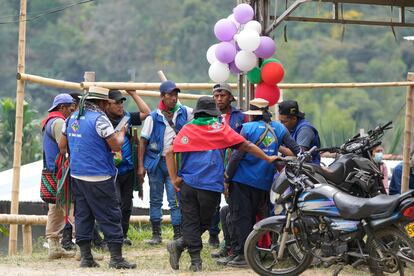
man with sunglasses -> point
(124, 159)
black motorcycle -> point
(353, 170)
(324, 223)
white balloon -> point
(253, 25)
(248, 40)
(245, 60)
(211, 54)
(219, 72)
(232, 19)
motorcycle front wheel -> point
(262, 256)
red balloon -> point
(272, 73)
(270, 93)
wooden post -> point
(407, 135)
(27, 240)
(18, 135)
(162, 76)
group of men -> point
(194, 155)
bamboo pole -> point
(194, 86)
(162, 76)
(18, 136)
(407, 135)
(49, 82)
(27, 240)
(42, 220)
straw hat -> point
(97, 93)
(257, 105)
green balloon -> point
(269, 60)
(254, 75)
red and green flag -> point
(205, 133)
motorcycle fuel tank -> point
(319, 201)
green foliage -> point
(4, 230)
(31, 134)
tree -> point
(31, 150)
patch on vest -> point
(216, 125)
(184, 140)
(75, 126)
(153, 146)
(268, 140)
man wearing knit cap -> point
(91, 139)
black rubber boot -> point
(66, 241)
(196, 263)
(156, 233)
(175, 249)
(238, 261)
(222, 252)
(86, 255)
(177, 232)
(117, 261)
(214, 241)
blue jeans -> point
(157, 181)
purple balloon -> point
(225, 29)
(267, 47)
(243, 13)
(233, 68)
(225, 52)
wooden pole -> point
(407, 135)
(162, 76)
(18, 135)
(49, 82)
(27, 240)
(195, 86)
(42, 220)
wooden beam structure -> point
(18, 134)
(405, 178)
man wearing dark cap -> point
(199, 149)
(301, 130)
(90, 138)
(157, 134)
(124, 159)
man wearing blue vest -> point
(251, 178)
(235, 119)
(63, 105)
(91, 140)
(199, 151)
(302, 131)
(124, 158)
(157, 134)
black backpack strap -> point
(170, 121)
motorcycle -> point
(325, 223)
(353, 171)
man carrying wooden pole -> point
(17, 153)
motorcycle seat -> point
(356, 208)
(334, 173)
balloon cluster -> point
(239, 49)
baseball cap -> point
(63, 98)
(168, 87)
(290, 108)
(116, 95)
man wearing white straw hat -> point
(251, 178)
(91, 139)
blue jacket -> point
(90, 155)
(253, 171)
(50, 146)
(395, 184)
(203, 170)
(236, 119)
(155, 145)
(316, 157)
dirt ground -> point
(150, 261)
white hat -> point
(256, 106)
(97, 93)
